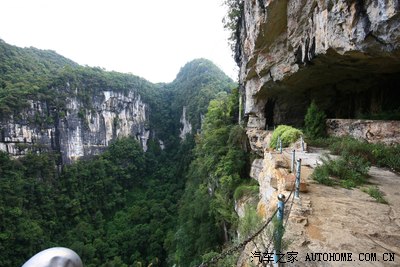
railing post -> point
(302, 143)
(279, 228)
(280, 146)
(277, 143)
(297, 190)
(292, 168)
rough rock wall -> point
(79, 130)
(20, 132)
(273, 170)
(387, 132)
(344, 53)
(186, 126)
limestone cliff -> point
(345, 54)
(78, 130)
(49, 103)
(186, 126)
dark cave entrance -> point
(373, 97)
(345, 87)
(269, 113)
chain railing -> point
(294, 191)
(241, 245)
(293, 194)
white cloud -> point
(152, 39)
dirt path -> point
(338, 220)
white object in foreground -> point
(55, 257)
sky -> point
(149, 38)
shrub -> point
(227, 261)
(348, 184)
(377, 154)
(314, 122)
(351, 170)
(374, 192)
(321, 175)
(386, 156)
(249, 190)
(356, 163)
(249, 223)
(319, 142)
(348, 145)
(287, 134)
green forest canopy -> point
(121, 208)
(126, 206)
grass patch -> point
(251, 189)
(287, 134)
(347, 171)
(322, 176)
(320, 142)
(374, 192)
(355, 158)
(377, 154)
(249, 222)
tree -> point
(206, 215)
(314, 122)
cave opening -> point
(344, 87)
(269, 113)
(372, 96)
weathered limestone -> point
(264, 173)
(272, 172)
(387, 132)
(259, 140)
(186, 126)
(345, 54)
(79, 130)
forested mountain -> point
(195, 85)
(50, 103)
(120, 205)
(27, 73)
(207, 219)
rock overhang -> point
(348, 48)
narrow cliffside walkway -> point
(337, 220)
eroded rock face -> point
(344, 54)
(259, 140)
(265, 173)
(186, 126)
(80, 130)
(387, 132)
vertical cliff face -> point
(49, 103)
(112, 115)
(343, 53)
(186, 126)
(78, 130)
(18, 132)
